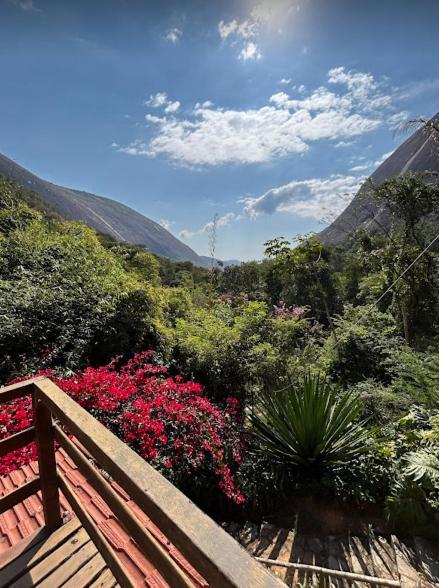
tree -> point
(413, 202)
(305, 276)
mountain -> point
(103, 214)
(417, 154)
(224, 262)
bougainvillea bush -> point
(166, 420)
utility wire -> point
(392, 285)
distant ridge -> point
(417, 154)
(103, 214)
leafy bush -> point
(236, 348)
(65, 300)
(365, 349)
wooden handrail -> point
(212, 552)
(18, 390)
(17, 441)
(19, 494)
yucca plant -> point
(312, 425)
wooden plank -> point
(88, 573)
(47, 465)
(19, 494)
(31, 576)
(361, 557)
(105, 580)
(383, 557)
(405, 555)
(22, 546)
(343, 574)
(210, 549)
(16, 441)
(152, 549)
(70, 567)
(96, 536)
(37, 553)
(18, 390)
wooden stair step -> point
(105, 580)
(361, 557)
(73, 564)
(338, 559)
(406, 561)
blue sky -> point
(268, 113)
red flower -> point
(169, 422)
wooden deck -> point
(67, 557)
(182, 546)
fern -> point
(423, 465)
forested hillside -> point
(312, 372)
(102, 214)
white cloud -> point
(361, 168)
(250, 51)
(285, 81)
(157, 100)
(173, 35)
(212, 135)
(160, 100)
(344, 144)
(172, 106)
(315, 198)
(222, 221)
(166, 224)
(265, 13)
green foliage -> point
(64, 299)
(413, 199)
(236, 349)
(311, 426)
(247, 278)
(423, 465)
(304, 276)
(366, 478)
(364, 349)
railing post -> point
(44, 436)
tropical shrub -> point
(412, 505)
(365, 348)
(310, 426)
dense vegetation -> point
(313, 371)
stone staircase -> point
(412, 562)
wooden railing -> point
(210, 550)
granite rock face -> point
(419, 153)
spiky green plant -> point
(312, 425)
